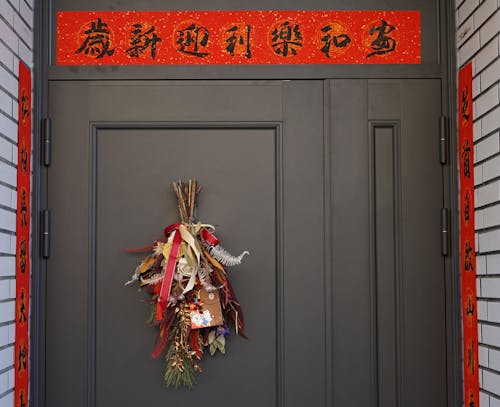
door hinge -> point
(46, 141)
(45, 234)
(443, 140)
(445, 235)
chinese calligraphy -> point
(23, 152)
(382, 44)
(24, 208)
(22, 301)
(25, 106)
(471, 360)
(22, 361)
(466, 153)
(467, 206)
(470, 308)
(22, 403)
(468, 266)
(192, 40)
(238, 42)
(97, 40)
(333, 34)
(141, 40)
(471, 402)
(22, 309)
(254, 37)
(22, 256)
(464, 109)
(286, 39)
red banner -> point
(467, 242)
(21, 347)
(237, 37)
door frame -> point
(445, 70)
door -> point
(388, 281)
(256, 148)
(334, 187)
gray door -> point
(388, 298)
(335, 189)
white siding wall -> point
(16, 41)
(478, 26)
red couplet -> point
(21, 347)
(467, 242)
(237, 37)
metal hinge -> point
(443, 140)
(46, 142)
(445, 235)
(45, 234)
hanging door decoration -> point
(23, 219)
(193, 303)
(467, 242)
(237, 37)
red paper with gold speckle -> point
(237, 37)
(467, 237)
(23, 213)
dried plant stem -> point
(186, 196)
(192, 198)
(182, 203)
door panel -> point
(334, 187)
(115, 152)
(234, 165)
(388, 273)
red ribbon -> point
(170, 229)
(142, 249)
(169, 271)
(149, 247)
(208, 237)
(193, 341)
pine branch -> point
(181, 363)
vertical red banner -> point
(467, 241)
(21, 348)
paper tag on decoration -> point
(205, 311)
